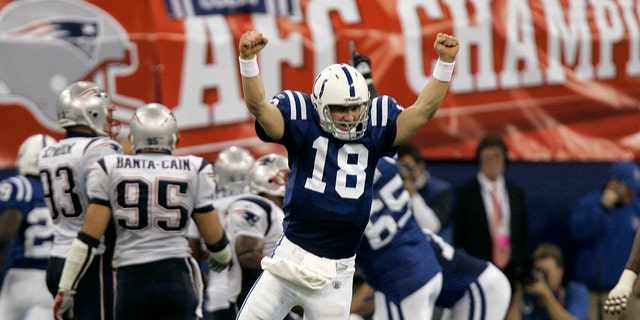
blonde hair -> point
(549, 250)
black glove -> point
(362, 64)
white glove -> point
(63, 306)
(617, 300)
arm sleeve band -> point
(220, 245)
(78, 261)
(220, 251)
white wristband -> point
(355, 316)
(628, 277)
(78, 260)
(249, 68)
(443, 70)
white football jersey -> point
(218, 291)
(64, 167)
(152, 197)
(256, 217)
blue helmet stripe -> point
(352, 88)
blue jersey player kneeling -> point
(334, 138)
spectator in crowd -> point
(151, 196)
(491, 213)
(26, 234)
(549, 294)
(84, 110)
(603, 224)
(333, 141)
(434, 195)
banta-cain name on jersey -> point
(133, 163)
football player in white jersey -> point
(254, 222)
(230, 169)
(333, 138)
(84, 110)
(151, 196)
(26, 235)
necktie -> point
(501, 237)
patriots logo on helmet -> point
(80, 34)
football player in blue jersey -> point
(395, 256)
(334, 137)
(150, 196)
(26, 234)
(472, 288)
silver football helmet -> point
(153, 126)
(341, 85)
(85, 103)
(27, 161)
(269, 175)
(231, 167)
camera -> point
(405, 171)
(533, 275)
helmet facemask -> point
(269, 175)
(357, 127)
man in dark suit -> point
(491, 213)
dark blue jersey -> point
(459, 270)
(395, 256)
(329, 192)
(32, 244)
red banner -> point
(560, 79)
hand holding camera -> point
(536, 283)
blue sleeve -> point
(384, 111)
(577, 302)
(297, 111)
(15, 192)
(586, 218)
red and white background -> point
(560, 79)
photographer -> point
(434, 196)
(547, 294)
